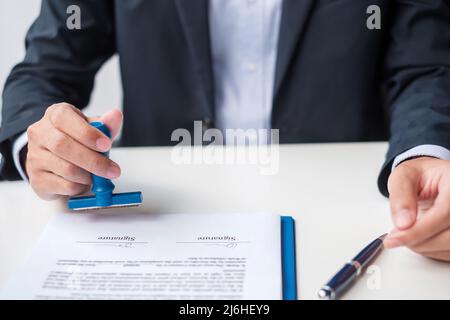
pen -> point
(345, 277)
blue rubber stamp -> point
(102, 189)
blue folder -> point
(288, 263)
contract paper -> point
(150, 256)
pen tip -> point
(383, 236)
(326, 293)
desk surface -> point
(330, 189)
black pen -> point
(351, 270)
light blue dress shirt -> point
(244, 41)
(244, 38)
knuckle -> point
(406, 170)
(92, 135)
(70, 170)
(89, 137)
(31, 132)
(65, 105)
(400, 177)
(50, 110)
(30, 160)
(72, 188)
(99, 163)
(58, 114)
(401, 171)
(57, 143)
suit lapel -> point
(295, 15)
(195, 21)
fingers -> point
(50, 186)
(93, 119)
(434, 244)
(47, 161)
(403, 188)
(63, 149)
(435, 221)
(68, 120)
(70, 150)
(113, 120)
(442, 255)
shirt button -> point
(251, 67)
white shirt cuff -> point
(18, 145)
(426, 150)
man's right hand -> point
(63, 149)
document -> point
(125, 255)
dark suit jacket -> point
(336, 80)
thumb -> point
(113, 120)
(403, 188)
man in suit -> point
(313, 69)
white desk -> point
(330, 189)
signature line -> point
(139, 242)
(200, 242)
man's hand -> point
(63, 151)
(420, 205)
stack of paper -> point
(147, 256)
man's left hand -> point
(420, 204)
